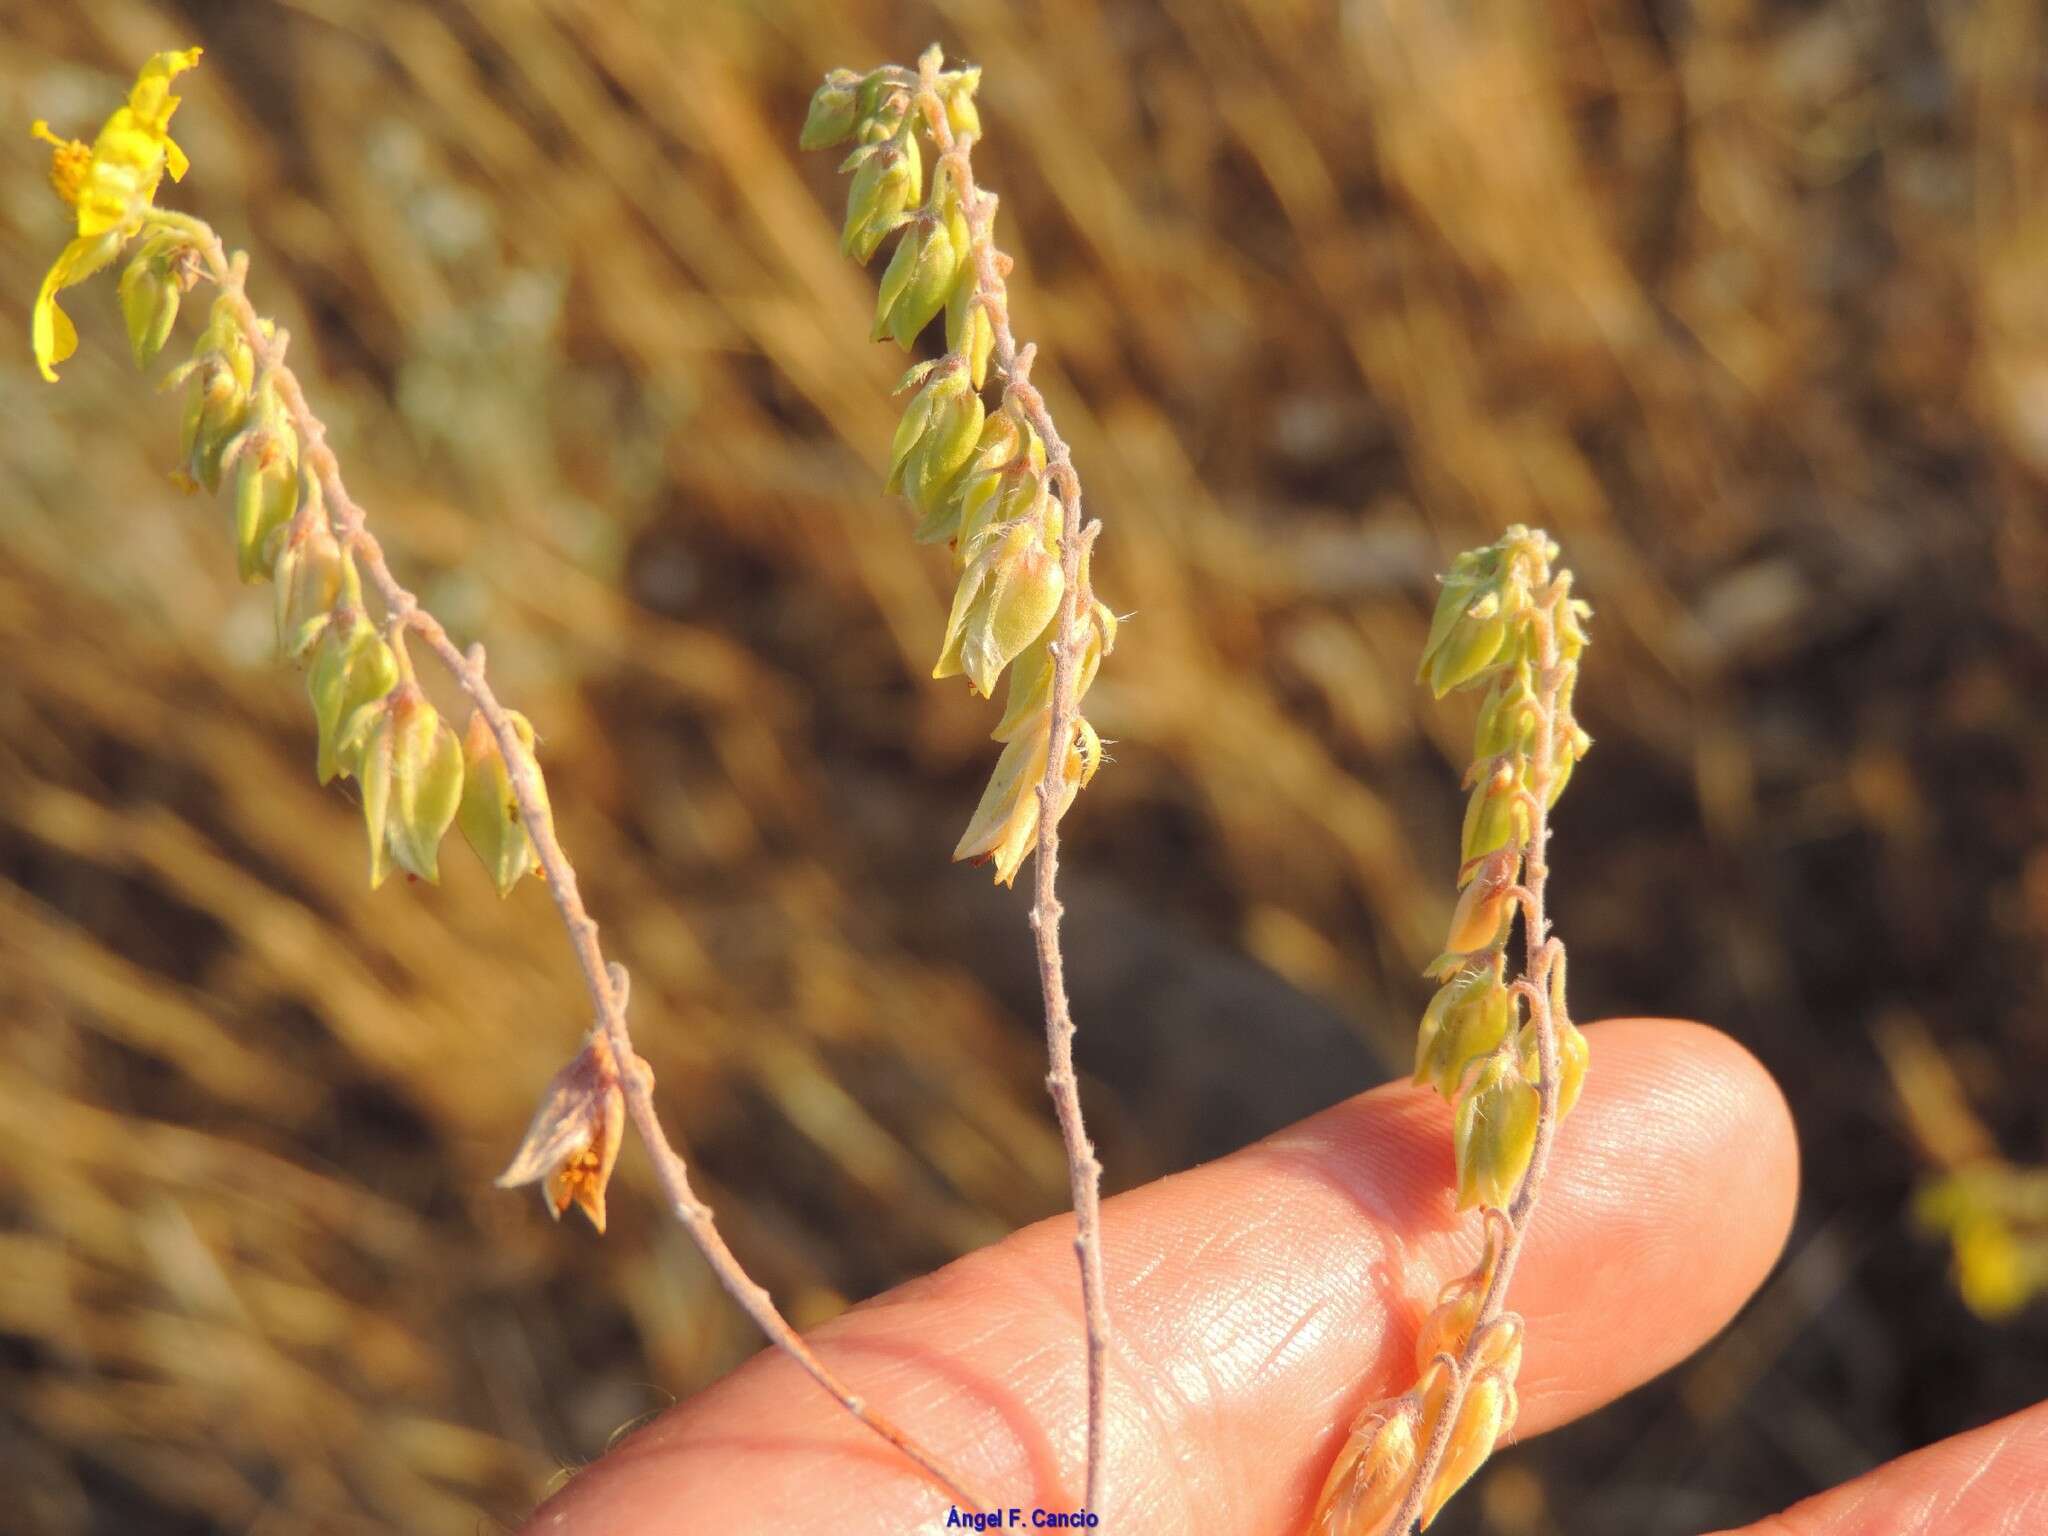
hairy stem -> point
(1540, 953)
(1084, 1169)
(606, 984)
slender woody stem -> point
(1540, 953)
(1084, 1169)
(605, 984)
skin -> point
(1262, 1299)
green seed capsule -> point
(352, 667)
(1494, 1134)
(489, 814)
(150, 296)
(833, 113)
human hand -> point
(1260, 1300)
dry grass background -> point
(1747, 301)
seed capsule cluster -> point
(976, 478)
(1506, 623)
(375, 724)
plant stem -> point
(1540, 953)
(1084, 1169)
(606, 989)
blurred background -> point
(1747, 302)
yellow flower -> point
(110, 182)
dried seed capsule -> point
(1485, 1413)
(1494, 1133)
(1485, 907)
(489, 815)
(573, 1142)
(1371, 1474)
(1448, 1327)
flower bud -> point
(969, 331)
(957, 91)
(411, 775)
(834, 110)
(880, 104)
(266, 463)
(223, 368)
(351, 667)
(1031, 674)
(151, 290)
(1494, 1134)
(888, 181)
(1571, 628)
(1572, 744)
(1371, 1474)
(1467, 1019)
(916, 281)
(1496, 816)
(1010, 592)
(489, 815)
(312, 575)
(1572, 1055)
(1508, 716)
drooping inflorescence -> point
(417, 779)
(978, 480)
(999, 488)
(292, 522)
(1503, 1052)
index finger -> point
(1258, 1302)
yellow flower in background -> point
(110, 182)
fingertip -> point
(1671, 1197)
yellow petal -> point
(175, 161)
(50, 329)
(151, 100)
